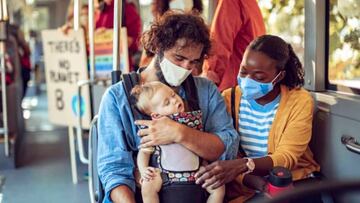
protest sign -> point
(66, 64)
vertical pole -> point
(4, 99)
(72, 155)
(3, 10)
(77, 6)
(79, 132)
(91, 40)
(3, 36)
(116, 42)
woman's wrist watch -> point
(250, 164)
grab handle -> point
(350, 143)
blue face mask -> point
(252, 89)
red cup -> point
(280, 179)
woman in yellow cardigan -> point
(273, 117)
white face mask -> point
(185, 5)
(173, 74)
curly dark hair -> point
(161, 6)
(277, 49)
(174, 25)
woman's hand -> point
(159, 131)
(219, 173)
(255, 182)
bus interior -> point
(46, 161)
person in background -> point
(158, 8)
(273, 115)
(105, 20)
(236, 23)
(37, 52)
(176, 56)
(83, 23)
(83, 20)
(36, 49)
(84, 13)
(24, 55)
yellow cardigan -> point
(290, 131)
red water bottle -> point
(280, 179)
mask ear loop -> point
(277, 76)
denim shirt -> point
(115, 158)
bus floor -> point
(44, 174)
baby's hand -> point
(149, 173)
(151, 180)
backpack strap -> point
(191, 93)
(233, 115)
(130, 80)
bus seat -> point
(95, 187)
(316, 138)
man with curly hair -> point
(180, 42)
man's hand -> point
(159, 131)
(219, 173)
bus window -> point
(292, 12)
(39, 19)
(344, 45)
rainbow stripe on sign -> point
(103, 49)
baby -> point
(156, 100)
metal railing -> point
(3, 37)
(92, 81)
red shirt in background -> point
(236, 23)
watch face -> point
(250, 164)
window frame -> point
(315, 42)
(328, 84)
